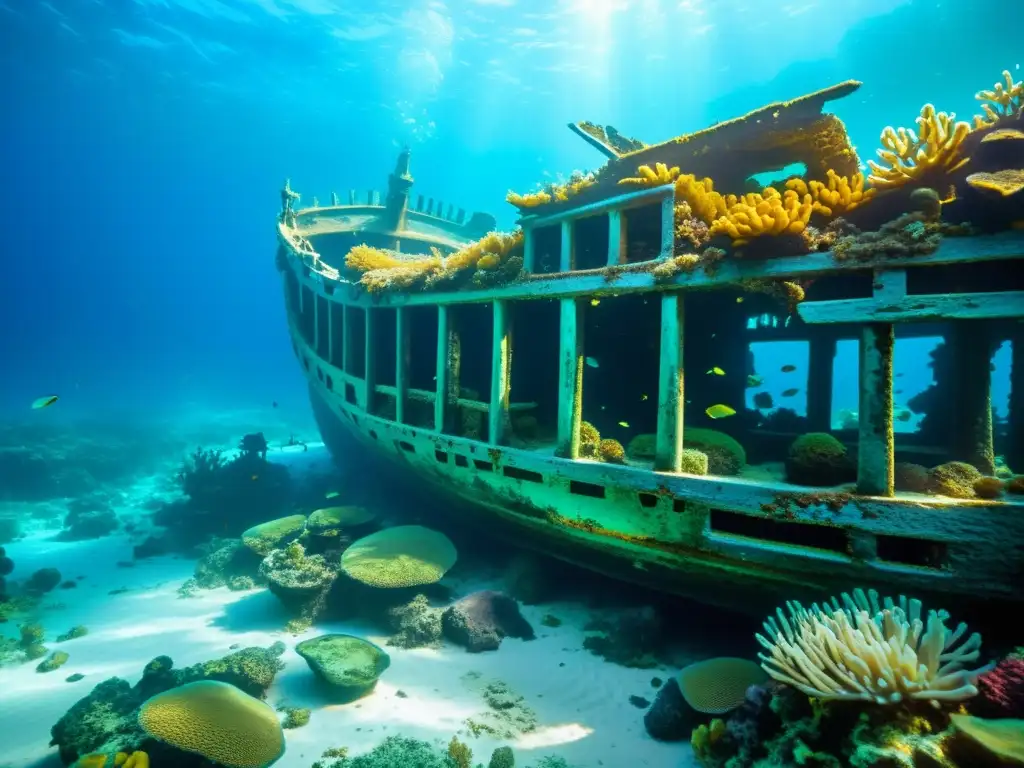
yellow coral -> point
(908, 156)
(400, 556)
(1006, 182)
(652, 177)
(1003, 100)
(769, 213)
(529, 200)
(839, 195)
(137, 760)
(557, 193)
(95, 760)
(701, 196)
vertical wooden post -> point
(351, 197)
(971, 440)
(668, 450)
(617, 230)
(401, 362)
(370, 367)
(1015, 442)
(316, 324)
(529, 249)
(875, 449)
(348, 344)
(822, 355)
(570, 378)
(441, 369)
(567, 259)
(501, 362)
(668, 227)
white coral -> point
(864, 651)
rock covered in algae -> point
(293, 576)
(481, 620)
(725, 455)
(331, 521)
(819, 459)
(402, 556)
(350, 664)
(274, 534)
(954, 478)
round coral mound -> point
(329, 521)
(590, 439)
(402, 556)
(350, 664)
(1015, 484)
(988, 487)
(818, 459)
(911, 478)
(642, 447)
(274, 534)
(725, 455)
(611, 451)
(217, 721)
(954, 478)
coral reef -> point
(481, 620)
(954, 478)
(818, 459)
(416, 624)
(350, 665)
(725, 455)
(298, 580)
(1003, 100)
(611, 451)
(552, 193)
(401, 556)
(930, 154)
(273, 534)
(1001, 690)
(88, 518)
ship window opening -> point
(307, 319)
(350, 394)
(590, 237)
(469, 368)
(517, 473)
(407, 447)
(329, 382)
(319, 373)
(547, 249)
(461, 461)
(648, 500)
(679, 505)
(421, 365)
(483, 466)
(643, 233)
(373, 433)
(622, 361)
(907, 551)
(780, 397)
(533, 391)
(974, 277)
(337, 320)
(355, 338)
(441, 457)
(328, 288)
(383, 321)
(292, 292)
(323, 328)
(797, 534)
(581, 488)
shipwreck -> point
(555, 380)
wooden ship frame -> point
(388, 365)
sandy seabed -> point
(581, 701)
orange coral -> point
(909, 157)
(770, 213)
(839, 195)
(1007, 182)
(1005, 99)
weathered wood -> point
(617, 238)
(821, 364)
(419, 203)
(876, 447)
(441, 370)
(668, 453)
(972, 346)
(430, 207)
(567, 253)
(570, 378)
(401, 362)
(529, 250)
(501, 361)
(370, 364)
(635, 199)
(430, 396)
(668, 227)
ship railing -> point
(373, 198)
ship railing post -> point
(351, 197)
(668, 226)
(501, 360)
(331, 307)
(822, 353)
(370, 366)
(401, 362)
(617, 231)
(567, 259)
(529, 248)
(668, 450)
(1015, 447)
(570, 378)
(972, 346)
(347, 343)
(876, 444)
(441, 369)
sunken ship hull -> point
(472, 394)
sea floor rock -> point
(349, 664)
(482, 619)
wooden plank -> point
(567, 253)
(430, 396)
(617, 238)
(875, 447)
(668, 452)
(370, 365)
(916, 308)
(629, 200)
(821, 365)
(401, 362)
(638, 279)
(501, 361)
(441, 370)
(570, 378)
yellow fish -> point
(624, 424)
(719, 411)
(717, 371)
(43, 402)
(739, 299)
(332, 495)
(594, 302)
(643, 397)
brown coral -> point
(611, 451)
(988, 487)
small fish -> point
(255, 477)
(898, 375)
(624, 424)
(332, 495)
(739, 299)
(44, 402)
(719, 411)
(763, 400)
(643, 397)
(790, 392)
(898, 392)
(594, 302)
(592, 362)
(788, 368)
(274, 404)
(903, 414)
(754, 381)
(716, 371)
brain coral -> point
(402, 556)
(217, 721)
(329, 520)
(265, 537)
(725, 455)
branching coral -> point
(910, 156)
(553, 193)
(702, 198)
(754, 215)
(1004, 100)
(839, 195)
(866, 651)
(652, 177)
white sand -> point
(581, 701)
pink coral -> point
(1001, 691)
